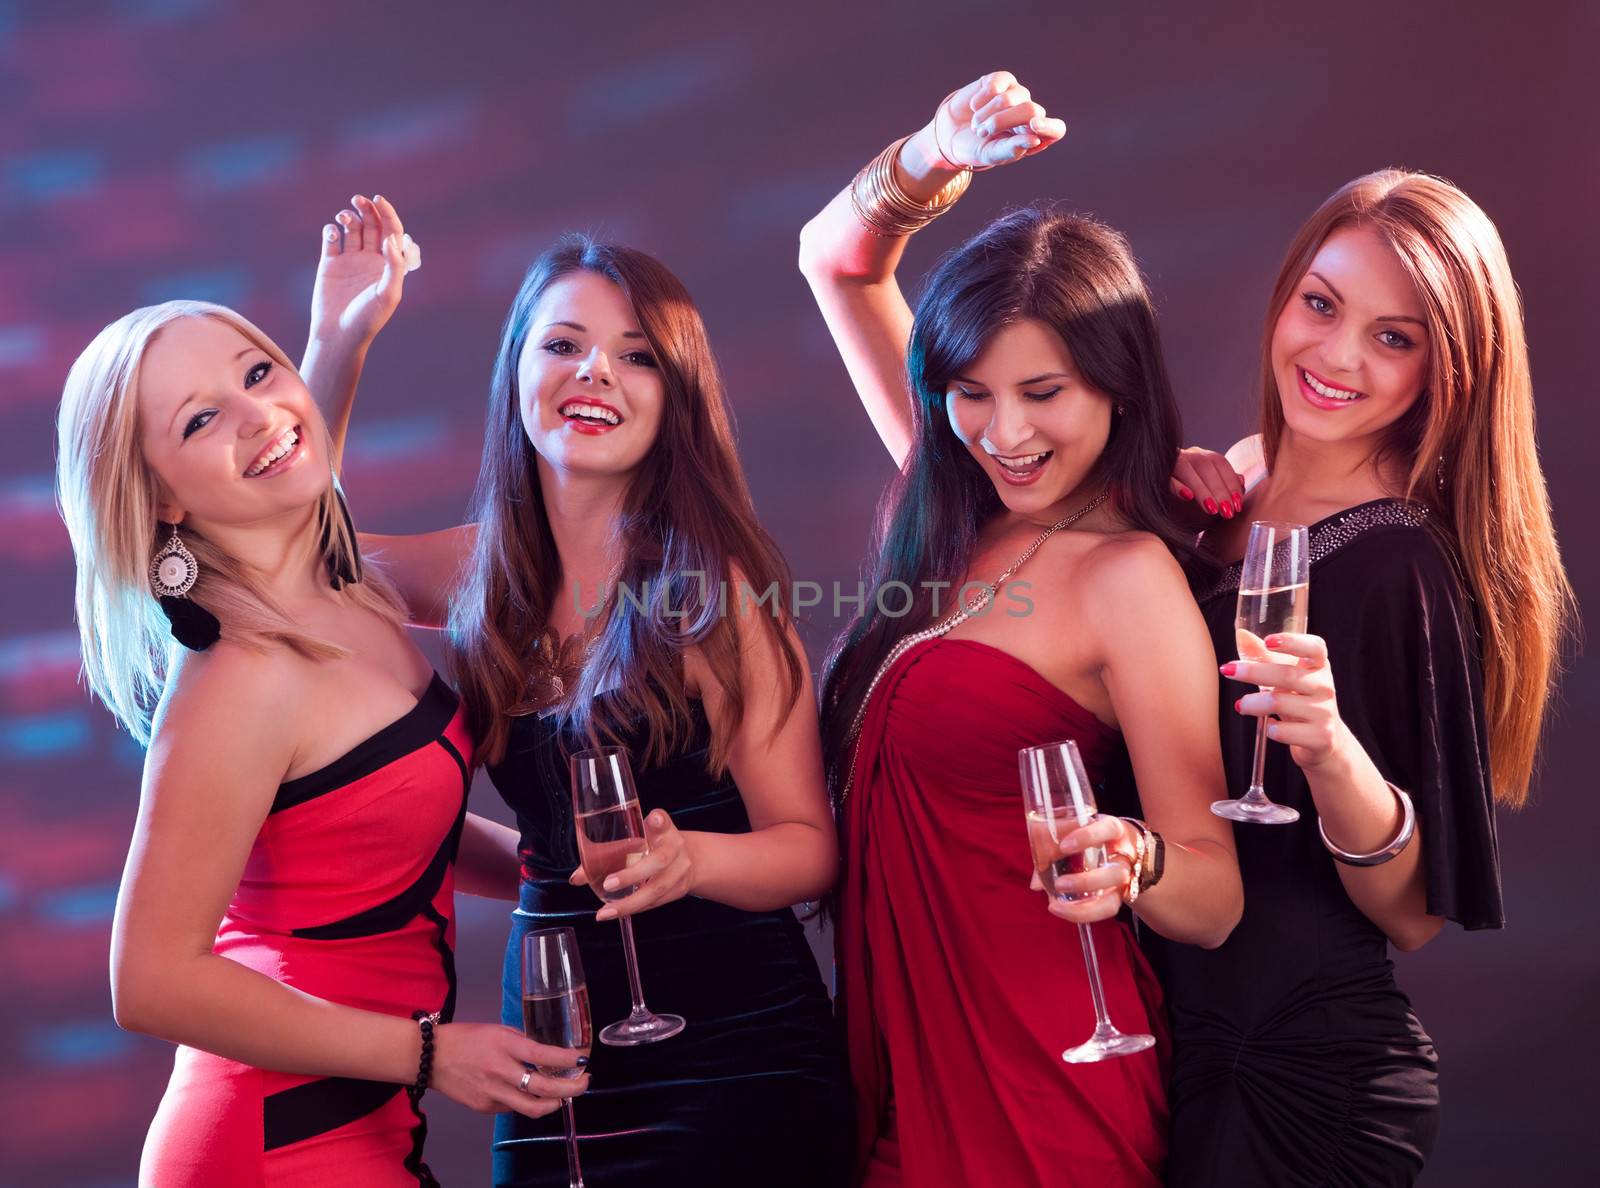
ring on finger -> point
(527, 1076)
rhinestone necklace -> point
(978, 604)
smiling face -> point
(1350, 348)
(1028, 419)
(591, 393)
(232, 438)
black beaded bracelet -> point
(426, 1021)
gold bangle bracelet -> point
(884, 208)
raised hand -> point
(360, 274)
(992, 121)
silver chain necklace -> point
(979, 603)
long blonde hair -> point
(1468, 444)
(108, 497)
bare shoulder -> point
(1129, 576)
(1119, 561)
(232, 701)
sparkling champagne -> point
(611, 840)
(558, 1020)
(1269, 612)
(1044, 838)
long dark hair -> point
(1077, 276)
(686, 524)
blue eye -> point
(256, 374)
(198, 422)
(1317, 303)
(1393, 338)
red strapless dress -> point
(960, 990)
(347, 895)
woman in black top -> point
(1396, 404)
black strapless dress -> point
(1297, 1060)
(754, 1089)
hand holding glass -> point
(610, 828)
(555, 1012)
(1058, 799)
(1274, 594)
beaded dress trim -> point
(1330, 535)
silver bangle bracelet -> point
(1408, 828)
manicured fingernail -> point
(1272, 730)
(1185, 492)
(582, 1062)
(1228, 669)
(1227, 511)
(1211, 506)
(610, 883)
(1271, 641)
(330, 234)
(377, 197)
(1238, 501)
(1238, 706)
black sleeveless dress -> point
(1297, 1060)
(753, 1090)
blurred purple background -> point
(163, 148)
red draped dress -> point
(346, 895)
(959, 990)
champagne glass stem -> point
(574, 1172)
(1102, 1019)
(632, 958)
(1258, 771)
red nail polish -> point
(1227, 669)
(1227, 511)
(1185, 492)
(1238, 501)
(1211, 506)
(1237, 706)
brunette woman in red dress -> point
(1041, 436)
(285, 915)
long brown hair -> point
(1468, 444)
(1077, 276)
(687, 524)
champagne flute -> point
(555, 1012)
(1057, 798)
(611, 839)
(1274, 593)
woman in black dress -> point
(1398, 423)
(617, 588)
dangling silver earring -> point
(172, 576)
(174, 570)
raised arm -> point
(851, 269)
(224, 741)
(360, 275)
